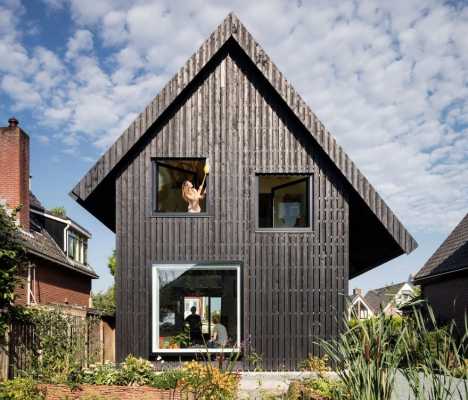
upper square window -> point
(284, 201)
(181, 185)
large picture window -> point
(284, 201)
(196, 307)
(181, 185)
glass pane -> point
(197, 307)
(171, 175)
(283, 201)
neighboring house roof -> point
(450, 257)
(36, 205)
(381, 235)
(354, 298)
(379, 299)
(40, 243)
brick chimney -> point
(14, 170)
(357, 291)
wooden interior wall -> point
(294, 284)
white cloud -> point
(389, 80)
(80, 43)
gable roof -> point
(389, 238)
(379, 298)
(354, 298)
(41, 244)
(450, 257)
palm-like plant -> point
(367, 357)
(432, 355)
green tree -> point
(111, 263)
(12, 261)
(105, 301)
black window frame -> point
(155, 184)
(306, 176)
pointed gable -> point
(375, 233)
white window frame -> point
(155, 304)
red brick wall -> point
(56, 284)
(14, 167)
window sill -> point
(180, 215)
(191, 351)
(283, 230)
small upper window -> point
(181, 185)
(77, 248)
(283, 201)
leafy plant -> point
(315, 364)
(367, 358)
(256, 360)
(21, 389)
(59, 212)
(101, 374)
(433, 357)
(105, 301)
(12, 260)
(315, 388)
(136, 371)
(167, 380)
(202, 381)
(181, 340)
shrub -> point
(136, 371)
(316, 388)
(367, 358)
(101, 374)
(167, 380)
(21, 389)
(205, 382)
(315, 364)
(60, 347)
(433, 358)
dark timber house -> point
(444, 278)
(287, 219)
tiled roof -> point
(40, 243)
(378, 299)
(451, 256)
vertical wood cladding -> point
(294, 284)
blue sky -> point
(388, 79)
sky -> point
(388, 79)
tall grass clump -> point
(435, 358)
(367, 357)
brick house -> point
(58, 272)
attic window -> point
(181, 185)
(284, 201)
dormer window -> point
(77, 247)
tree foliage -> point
(112, 263)
(12, 261)
(105, 301)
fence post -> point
(4, 361)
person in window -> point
(219, 337)
(193, 196)
(195, 325)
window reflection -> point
(197, 307)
